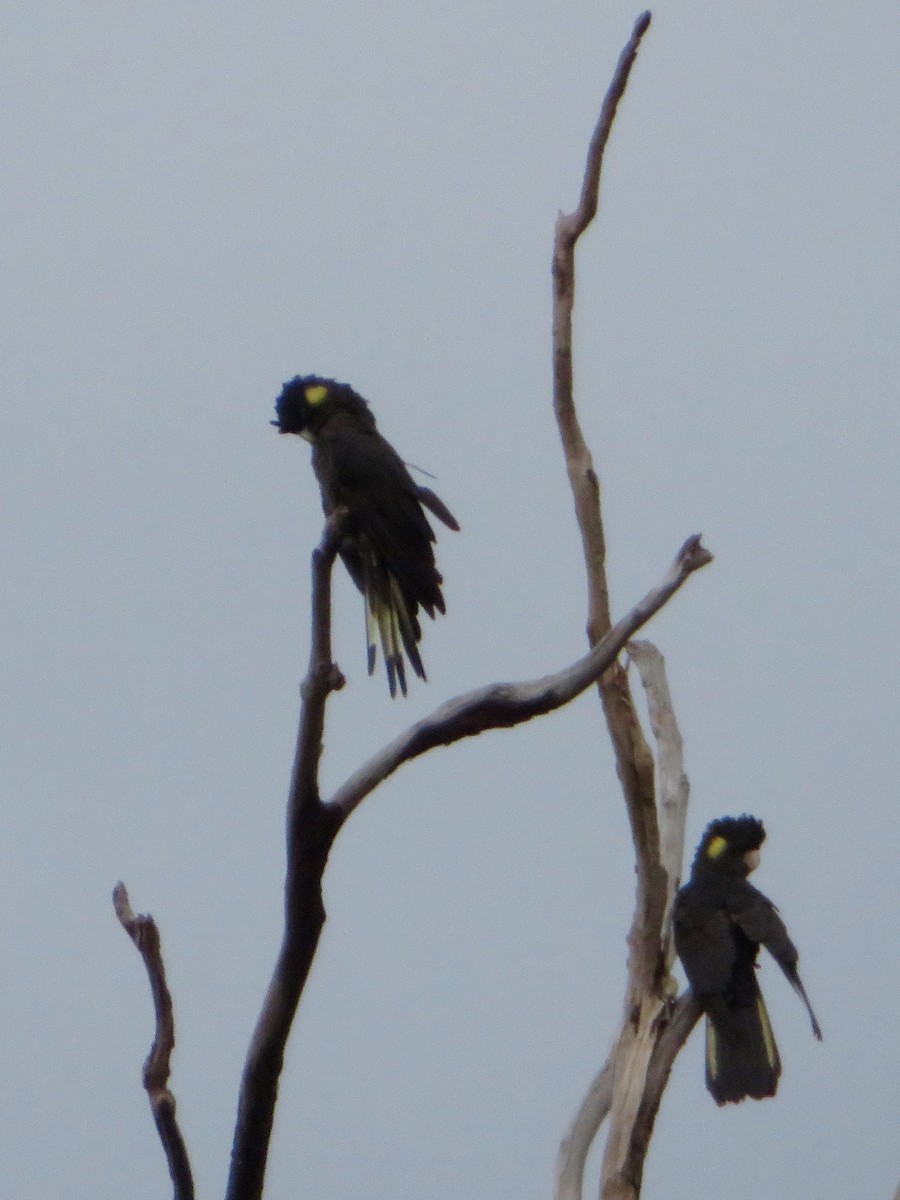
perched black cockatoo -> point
(720, 921)
(388, 543)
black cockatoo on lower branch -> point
(720, 921)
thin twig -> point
(505, 704)
(578, 221)
(144, 933)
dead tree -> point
(629, 1087)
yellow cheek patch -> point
(316, 394)
(716, 847)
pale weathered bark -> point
(673, 788)
(649, 1045)
(657, 831)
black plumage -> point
(388, 545)
(720, 922)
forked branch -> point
(502, 705)
(580, 466)
(634, 762)
(313, 825)
(655, 1031)
(310, 834)
(311, 829)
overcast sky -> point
(200, 201)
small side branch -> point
(503, 705)
(144, 933)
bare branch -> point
(144, 933)
(322, 677)
(502, 705)
(577, 222)
(657, 865)
(675, 1027)
(649, 1041)
(634, 762)
(672, 785)
(638, 1044)
(313, 826)
(310, 833)
(649, 1056)
(582, 477)
(576, 1145)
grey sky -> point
(200, 201)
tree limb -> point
(576, 1145)
(634, 762)
(671, 1027)
(657, 851)
(569, 228)
(310, 834)
(673, 788)
(144, 933)
(577, 222)
(673, 1030)
(502, 705)
(313, 825)
(651, 1035)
